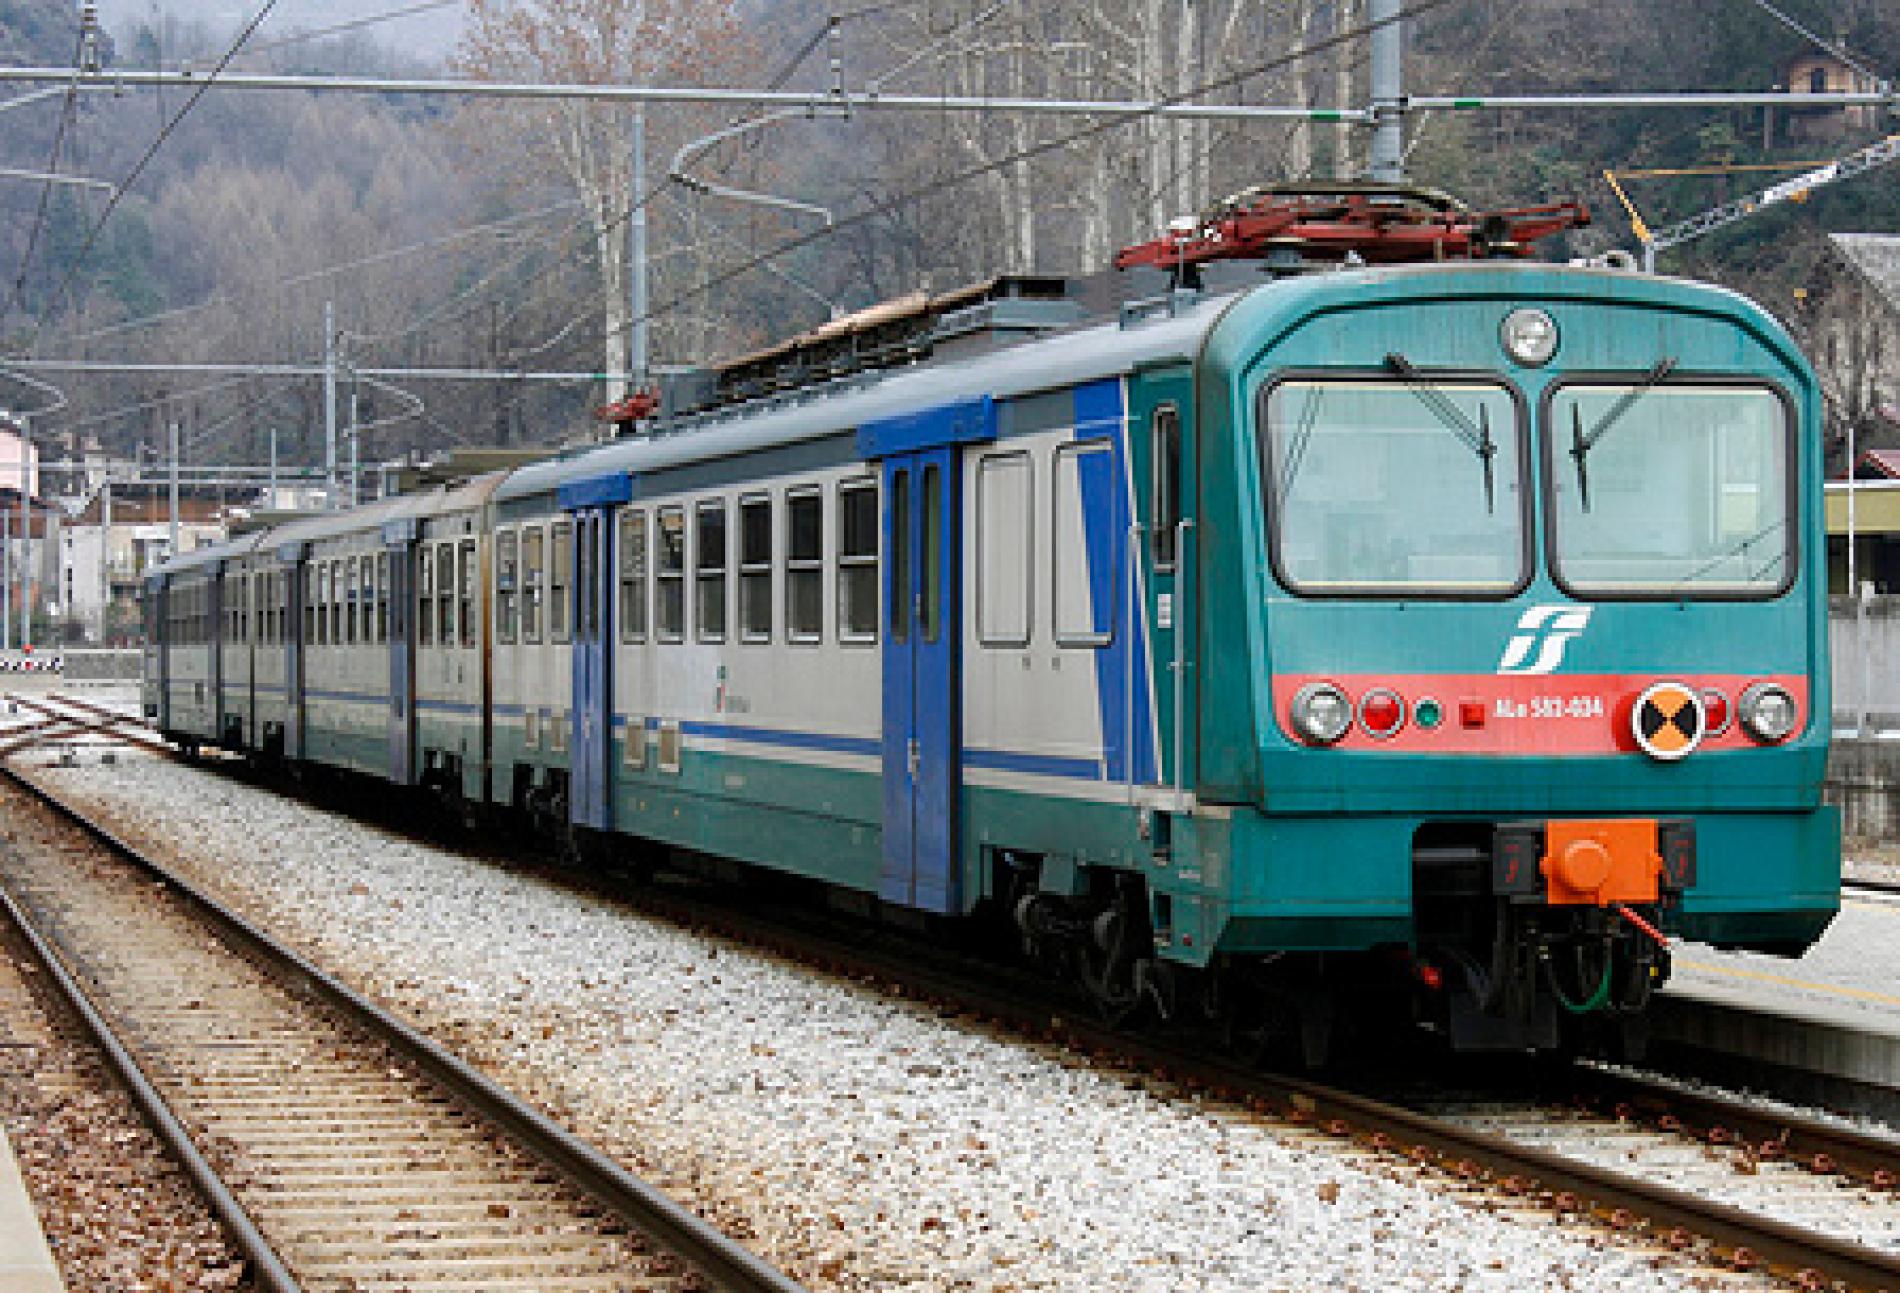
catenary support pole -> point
(26, 537)
(329, 404)
(637, 360)
(105, 560)
(1388, 91)
(172, 427)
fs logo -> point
(1542, 633)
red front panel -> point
(1569, 714)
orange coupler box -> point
(1601, 862)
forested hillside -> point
(484, 236)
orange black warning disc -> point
(1667, 721)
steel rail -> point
(1616, 1200)
(266, 1270)
(1622, 1202)
(722, 1261)
(1865, 1157)
(92, 720)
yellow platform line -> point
(1789, 981)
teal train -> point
(1308, 641)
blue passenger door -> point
(399, 543)
(296, 614)
(589, 778)
(922, 711)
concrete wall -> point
(1865, 646)
(1863, 781)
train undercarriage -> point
(1528, 936)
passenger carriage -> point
(1436, 634)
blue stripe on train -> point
(1105, 488)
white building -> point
(101, 565)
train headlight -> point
(1321, 713)
(1529, 337)
(1768, 712)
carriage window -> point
(1382, 487)
(1165, 505)
(350, 598)
(382, 597)
(1004, 548)
(633, 576)
(1085, 591)
(586, 578)
(445, 594)
(507, 604)
(930, 497)
(425, 595)
(309, 605)
(857, 561)
(900, 606)
(533, 541)
(671, 611)
(367, 565)
(755, 568)
(336, 602)
(805, 566)
(1682, 490)
(560, 582)
(467, 599)
(710, 575)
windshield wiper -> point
(1302, 436)
(1582, 442)
(1476, 435)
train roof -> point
(1051, 362)
(436, 501)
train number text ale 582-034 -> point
(1549, 707)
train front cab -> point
(1534, 645)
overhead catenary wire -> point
(955, 179)
(132, 177)
(1837, 48)
(68, 109)
(1110, 120)
(355, 24)
(329, 271)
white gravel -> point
(860, 1142)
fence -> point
(72, 665)
(1865, 646)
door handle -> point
(913, 756)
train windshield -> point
(1671, 490)
(1383, 486)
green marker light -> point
(1428, 713)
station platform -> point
(1828, 1020)
(26, 1263)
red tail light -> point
(1382, 712)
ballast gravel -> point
(857, 1141)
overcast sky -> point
(425, 35)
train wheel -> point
(1112, 961)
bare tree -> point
(624, 42)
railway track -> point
(1599, 1154)
(1816, 1186)
(340, 1149)
(63, 721)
